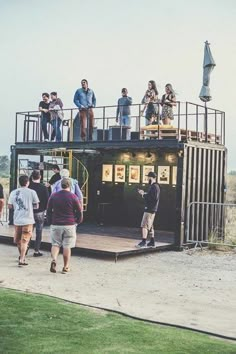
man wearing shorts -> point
(23, 200)
(151, 199)
(63, 213)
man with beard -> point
(85, 100)
(151, 199)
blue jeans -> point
(44, 122)
(56, 132)
(125, 120)
(39, 221)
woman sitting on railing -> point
(168, 101)
(151, 102)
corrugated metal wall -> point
(204, 171)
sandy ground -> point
(195, 290)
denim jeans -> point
(44, 122)
(56, 132)
(125, 120)
(39, 221)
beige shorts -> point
(23, 233)
(63, 235)
(147, 220)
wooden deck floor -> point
(95, 240)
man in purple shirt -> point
(63, 213)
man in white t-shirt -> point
(23, 200)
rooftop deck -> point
(192, 122)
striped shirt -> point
(63, 208)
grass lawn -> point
(32, 324)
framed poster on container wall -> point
(119, 173)
(163, 176)
(134, 174)
(107, 173)
(146, 170)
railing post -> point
(186, 121)
(103, 124)
(179, 121)
(16, 128)
(71, 126)
(224, 128)
(215, 127)
(197, 123)
(139, 119)
(87, 131)
(27, 128)
(206, 130)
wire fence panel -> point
(211, 223)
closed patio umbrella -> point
(208, 66)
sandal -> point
(20, 264)
(53, 267)
(65, 270)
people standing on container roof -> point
(151, 103)
(168, 101)
(85, 100)
(55, 108)
(45, 114)
(123, 108)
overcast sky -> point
(51, 45)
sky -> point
(52, 45)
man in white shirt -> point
(23, 200)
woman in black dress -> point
(150, 101)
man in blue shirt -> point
(85, 100)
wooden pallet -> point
(170, 132)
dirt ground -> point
(197, 290)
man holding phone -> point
(151, 199)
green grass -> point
(32, 324)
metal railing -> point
(211, 223)
(192, 122)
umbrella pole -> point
(206, 122)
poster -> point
(107, 173)
(174, 174)
(146, 170)
(163, 174)
(134, 174)
(119, 173)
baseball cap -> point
(151, 174)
